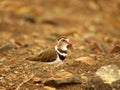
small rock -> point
(94, 56)
(13, 61)
(12, 75)
(62, 78)
(5, 69)
(107, 39)
(116, 48)
(82, 47)
(35, 34)
(84, 78)
(2, 59)
(10, 84)
(18, 43)
(37, 84)
(62, 75)
(27, 18)
(16, 72)
(37, 80)
(96, 47)
(7, 47)
(87, 60)
(96, 83)
(2, 88)
(93, 5)
(109, 73)
(48, 88)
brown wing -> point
(46, 56)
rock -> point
(2, 88)
(37, 80)
(5, 69)
(13, 61)
(87, 60)
(48, 88)
(27, 18)
(84, 78)
(7, 47)
(94, 46)
(93, 5)
(96, 83)
(16, 72)
(82, 47)
(62, 78)
(94, 56)
(62, 75)
(10, 84)
(109, 73)
(2, 59)
(116, 48)
(35, 34)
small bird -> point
(56, 54)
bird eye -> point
(63, 40)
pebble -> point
(37, 80)
(2, 88)
(48, 88)
(87, 60)
(109, 73)
(62, 78)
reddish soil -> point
(29, 26)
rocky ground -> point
(30, 26)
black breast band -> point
(61, 57)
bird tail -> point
(33, 58)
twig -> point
(24, 82)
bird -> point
(55, 55)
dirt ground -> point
(29, 26)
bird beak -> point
(68, 41)
(71, 42)
(69, 45)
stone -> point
(87, 60)
(37, 80)
(96, 83)
(116, 48)
(7, 47)
(2, 88)
(62, 78)
(109, 73)
(48, 88)
(82, 47)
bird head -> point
(64, 43)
